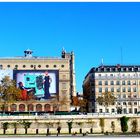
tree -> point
(5, 127)
(80, 125)
(113, 126)
(48, 125)
(15, 127)
(75, 102)
(79, 103)
(124, 126)
(26, 125)
(82, 104)
(106, 99)
(91, 123)
(9, 92)
(134, 126)
(70, 126)
(102, 124)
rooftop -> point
(115, 68)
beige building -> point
(65, 82)
(123, 81)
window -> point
(124, 90)
(124, 103)
(32, 66)
(124, 110)
(129, 103)
(124, 96)
(111, 74)
(106, 89)
(119, 103)
(134, 89)
(113, 103)
(8, 66)
(135, 96)
(112, 82)
(39, 66)
(128, 83)
(106, 82)
(100, 89)
(63, 85)
(134, 83)
(54, 66)
(118, 89)
(118, 83)
(16, 66)
(135, 103)
(123, 82)
(130, 110)
(62, 66)
(100, 83)
(113, 110)
(47, 66)
(119, 96)
(112, 89)
(135, 110)
(100, 110)
(107, 110)
(129, 89)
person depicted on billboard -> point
(47, 82)
(23, 91)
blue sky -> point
(92, 30)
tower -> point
(71, 58)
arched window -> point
(38, 107)
(47, 107)
(22, 107)
(13, 107)
(30, 107)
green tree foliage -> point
(5, 127)
(26, 125)
(15, 124)
(102, 124)
(124, 126)
(70, 126)
(134, 125)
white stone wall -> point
(87, 122)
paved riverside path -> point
(71, 135)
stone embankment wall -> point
(85, 122)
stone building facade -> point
(66, 78)
(123, 81)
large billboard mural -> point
(43, 84)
